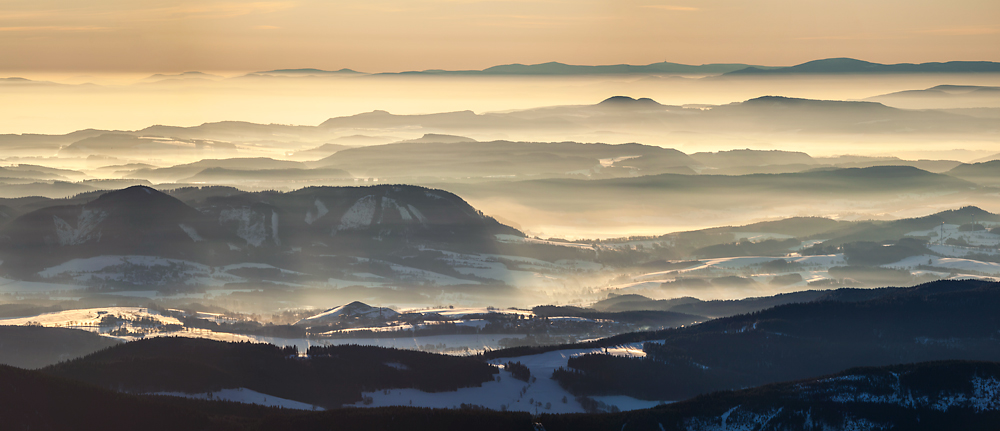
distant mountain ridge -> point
(556, 68)
(853, 66)
(549, 68)
(308, 72)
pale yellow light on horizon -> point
(394, 35)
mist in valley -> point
(563, 216)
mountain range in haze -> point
(824, 66)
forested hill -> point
(33, 400)
(950, 395)
(329, 377)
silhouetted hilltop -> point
(460, 120)
(437, 138)
(748, 157)
(556, 68)
(776, 114)
(356, 309)
(239, 131)
(945, 91)
(178, 172)
(135, 221)
(625, 101)
(790, 103)
(986, 173)
(503, 159)
(853, 66)
(159, 77)
(308, 72)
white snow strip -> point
(246, 396)
(86, 223)
(193, 234)
(320, 212)
(274, 228)
(358, 215)
(416, 213)
(250, 224)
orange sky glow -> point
(137, 36)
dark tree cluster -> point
(518, 370)
(935, 321)
(329, 376)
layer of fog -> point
(54, 108)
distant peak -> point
(437, 138)
(182, 75)
(625, 100)
(131, 192)
(793, 101)
(838, 60)
(310, 71)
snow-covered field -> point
(941, 234)
(512, 394)
(89, 317)
(244, 395)
(957, 264)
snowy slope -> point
(512, 394)
(244, 395)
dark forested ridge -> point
(329, 377)
(934, 321)
(33, 400)
(297, 230)
(948, 395)
(37, 346)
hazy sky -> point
(396, 35)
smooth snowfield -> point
(244, 395)
(88, 319)
(512, 394)
(85, 317)
(989, 268)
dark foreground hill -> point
(37, 346)
(923, 396)
(329, 377)
(926, 396)
(849, 327)
(32, 400)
